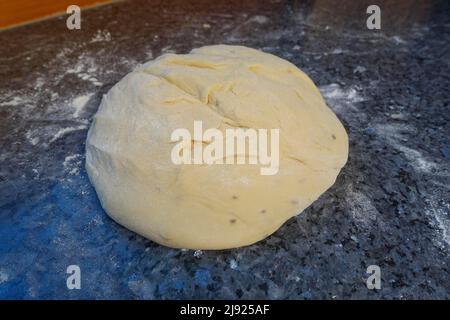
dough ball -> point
(128, 148)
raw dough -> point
(218, 206)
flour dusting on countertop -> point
(101, 35)
(395, 135)
(73, 163)
(15, 101)
(341, 100)
(79, 103)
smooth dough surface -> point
(128, 147)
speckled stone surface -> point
(389, 206)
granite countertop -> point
(389, 206)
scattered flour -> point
(64, 131)
(54, 96)
(398, 40)
(337, 51)
(339, 99)
(69, 159)
(417, 158)
(233, 264)
(259, 19)
(392, 133)
(130, 63)
(72, 163)
(76, 69)
(84, 69)
(101, 36)
(32, 139)
(39, 83)
(198, 253)
(16, 101)
(442, 219)
(49, 134)
(359, 69)
(79, 103)
(362, 209)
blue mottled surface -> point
(389, 206)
